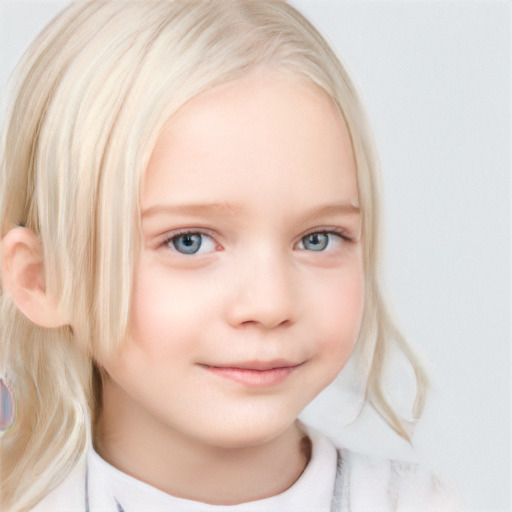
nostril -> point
(248, 312)
(267, 324)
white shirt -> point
(312, 491)
(358, 482)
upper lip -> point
(256, 365)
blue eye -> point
(192, 243)
(318, 241)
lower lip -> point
(254, 378)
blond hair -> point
(93, 94)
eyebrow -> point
(330, 209)
(232, 209)
(192, 209)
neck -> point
(173, 462)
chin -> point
(240, 434)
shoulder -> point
(378, 484)
(68, 496)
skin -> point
(226, 346)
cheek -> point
(341, 312)
(164, 310)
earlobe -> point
(23, 278)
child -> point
(190, 255)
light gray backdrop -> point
(436, 79)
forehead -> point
(265, 136)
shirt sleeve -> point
(414, 488)
(382, 485)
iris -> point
(316, 241)
(188, 243)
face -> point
(248, 292)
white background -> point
(436, 79)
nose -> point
(264, 293)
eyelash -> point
(169, 240)
(341, 233)
(330, 231)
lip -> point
(255, 374)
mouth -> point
(257, 374)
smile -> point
(255, 374)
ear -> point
(23, 278)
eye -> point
(319, 241)
(191, 243)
